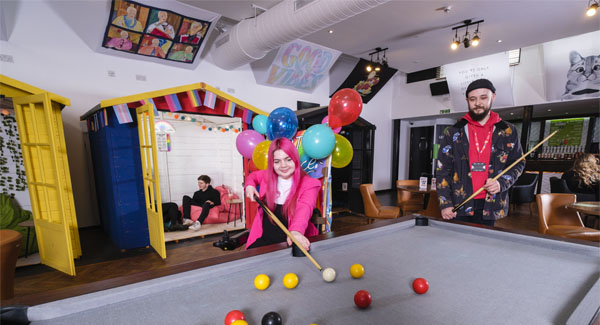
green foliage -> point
(11, 215)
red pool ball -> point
(420, 286)
(234, 315)
(362, 299)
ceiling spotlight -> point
(475, 40)
(499, 41)
(369, 68)
(466, 39)
(455, 43)
(330, 31)
(592, 8)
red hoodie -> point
(482, 135)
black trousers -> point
(477, 217)
(170, 213)
(187, 207)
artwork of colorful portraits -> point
(150, 31)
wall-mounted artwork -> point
(572, 67)
(367, 84)
(177, 33)
(298, 65)
(494, 67)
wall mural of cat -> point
(583, 77)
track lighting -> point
(592, 8)
(378, 63)
(466, 39)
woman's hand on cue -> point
(250, 192)
(299, 238)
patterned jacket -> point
(453, 173)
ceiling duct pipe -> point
(252, 39)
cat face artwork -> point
(583, 78)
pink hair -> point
(271, 194)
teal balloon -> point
(259, 124)
(281, 123)
(318, 141)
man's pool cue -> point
(264, 207)
(504, 171)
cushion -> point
(223, 190)
(214, 215)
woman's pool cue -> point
(504, 171)
(264, 207)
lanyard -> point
(487, 139)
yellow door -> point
(145, 119)
(45, 156)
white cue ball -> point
(329, 274)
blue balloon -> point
(318, 141)
(282, 123)
(259, 124)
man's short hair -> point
(480, 83)
(204, 178)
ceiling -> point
(418, 33)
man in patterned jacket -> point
(474, 150)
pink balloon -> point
(336, 130)
(345, 105)
(246, 141)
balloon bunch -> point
(317, 142)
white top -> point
(283, 187)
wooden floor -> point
(34, 284)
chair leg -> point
(530, 209)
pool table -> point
(476, 275)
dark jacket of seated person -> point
(584, 178)
(206, 197)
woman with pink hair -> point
(287, 191)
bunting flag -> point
(194, 98)
(122, 113)
(247, 116)
(173, 103)
(229, 108)
(151, 101)
(209, 100)
(101, 118)
(105, 117)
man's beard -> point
(478, 117)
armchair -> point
(374, 209)
(523, 191)
(556, 219)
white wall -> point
(51, 49)
(196, 152)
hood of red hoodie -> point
(494, 118)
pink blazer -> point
(300, 220)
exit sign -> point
(444, 111)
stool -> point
(29, 224)
(10, 245)
(234, 205)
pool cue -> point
(264, 207)
(504, 171)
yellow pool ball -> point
(240, 322)
(290, 280)
(357, 271)
(262, 281)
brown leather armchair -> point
(374, 209)
(558, 220)
(409, 202)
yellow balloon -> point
(342, 152)
(260, 155)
